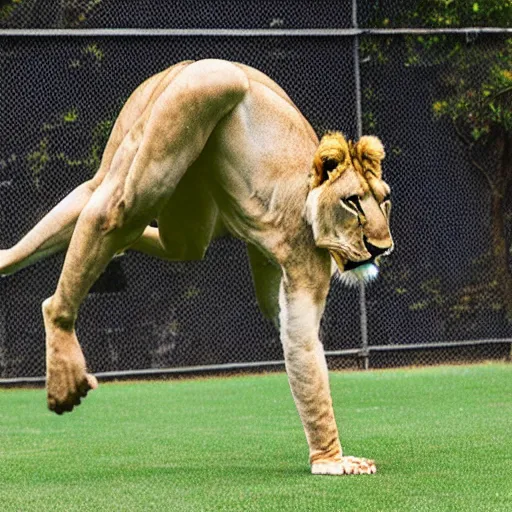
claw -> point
(347, 466)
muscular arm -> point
(266, 276)
(302, 297)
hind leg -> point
(50, 235)
(53, 233)
(93, 244)
(147, 167)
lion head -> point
(348, 205)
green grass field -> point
(442, 438)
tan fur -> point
(367, 155)
(343, 171)
(207, 147)
(331, 159)
(335, 155)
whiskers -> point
(364, 273)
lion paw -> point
(67, 379)
(347, 466)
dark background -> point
(58, 96)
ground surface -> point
(441, 438)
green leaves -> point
(70, 116)
(477, 87)
(38, 159)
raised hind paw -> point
(347, 466)
(67, 383)
(67, 380)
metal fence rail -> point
(230, 32)
(229, 367)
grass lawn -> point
(442, 439)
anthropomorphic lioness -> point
(204, 147)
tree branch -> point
(504, 91)
(461, 136)
(506, 162)
(470, 144)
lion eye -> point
(354, 202)
(386, 206)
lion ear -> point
(332, 157)
(368, 153)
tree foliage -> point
(474, 92)
(445, 14)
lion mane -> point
(335, 155)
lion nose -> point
(374, 250)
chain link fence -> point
(437, 91)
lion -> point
(208, 147)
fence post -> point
(357, 75)
(3, 331)
(359, 120)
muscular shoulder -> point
(265, 81)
